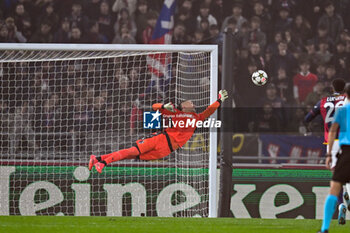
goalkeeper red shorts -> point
(156, 146)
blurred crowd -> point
(50, 104)
(302, 45)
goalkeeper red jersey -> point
(179, 134)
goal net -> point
(61, 103)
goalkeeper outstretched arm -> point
(187, 106)
(164, 107)
(212, 108)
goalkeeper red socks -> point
(129, 153)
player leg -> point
(340, 176)
(104, 160)
(341, 212)
(330, 205)
(335, 150)
(129, 153)
(346, 195)
(142, 146)
(346, 192)
(341, 205)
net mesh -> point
(59, 107)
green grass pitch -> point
(50, 224)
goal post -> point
(64, 101)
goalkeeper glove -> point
(223, 95)
(169, 106)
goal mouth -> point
(62, 103)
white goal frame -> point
(213, 49)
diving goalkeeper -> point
(161, 144)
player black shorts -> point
(342, 168)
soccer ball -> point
(259, 77)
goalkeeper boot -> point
(347, 199)
(342, 212)
(99, 167)
(326, 231)
(92, 161)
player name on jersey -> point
(335, 98)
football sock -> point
(329, 208)
(348, 188)
(340, 197)
(129, 153)
(103, 157)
